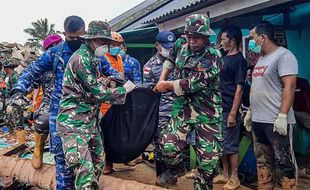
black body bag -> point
(128, 129)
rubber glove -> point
(280, 125)
(247, 121)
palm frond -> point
(39, 30)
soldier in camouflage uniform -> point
(14, 110)
(55, 59)
(2, 96)
(11, 76)
(83, 91)
(151, 74)
(197, 106)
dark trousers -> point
(274, 154)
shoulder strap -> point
(58, 56)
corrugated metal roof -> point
(131, 11)
(136, 13)
(170, 8)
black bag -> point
(128, 129)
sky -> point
(16, 15)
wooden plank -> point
(13, 150)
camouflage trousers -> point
(274, 154)
(15, 119)
(84, 155)
(41, 118)
(208, 148)
(163, 123)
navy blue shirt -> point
(233, 73)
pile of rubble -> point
(18, 54)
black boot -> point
(160, 167)
(169, 177)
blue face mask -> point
(122, 53)
(115, 50)
(254, 47)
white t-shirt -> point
(267, 87)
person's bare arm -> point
(35, 94)
(164, 74)
(163, 85)
(289, 83)
(235, 107)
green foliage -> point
(39, 31)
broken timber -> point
(21, 170)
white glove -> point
(129, 86)
(280, 124)
(247, 121)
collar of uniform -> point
(127, 56)
(66, 48)
(85, 47)
(158, 60)
(192, 53)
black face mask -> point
(74, 44)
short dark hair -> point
(266, 28)
(73, 24)
(233, 32)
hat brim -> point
(210, 32)
(168, 45)
(89, 37)
(13, 66)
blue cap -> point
(166, 39)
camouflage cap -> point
(98, 29)
(10, 63)
(199, 24)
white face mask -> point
(165, 52)
(100, 51)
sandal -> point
(232, 184)
(220, 179)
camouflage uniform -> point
(55, 59)
(12, 119)
(2, 75)
(2, 97)
(132, 69)
(83, 92)
(197, 106)
(151, 74)
(41, 116)
(11, 81)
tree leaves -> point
(39, 30)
